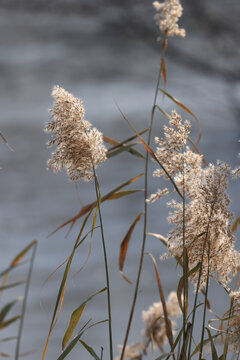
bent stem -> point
(105, 262)
(145, 207)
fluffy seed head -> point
(167, 17)
(79, 146)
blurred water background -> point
(103, 51)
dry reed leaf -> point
(124, 247)
(235, 225)
(187, 110)
(5, 140)
(164, 71)
(91, 206)
(150, 151)
(110, 141)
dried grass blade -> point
(63, 282)
(32, 245)
(187, 110)
(124, 247)
(110, 141)
(161, 237)
(14, 263)
(120, 144)
(5, 310)
(181, 284)
(92, 205)
(205, 342)
(150, 151)
(75, 317)
(90, 350)
(236, 224)
(120, 194)
(8, 322)
(128, 148)
(213, 348)
(161, 110)
(184, 347)
(5, 140)
(166, 319)
(164, 71)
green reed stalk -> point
(145, 206)
(97, 188)
(198, 283)
(20, 330)
(205, 306)
(185, 270)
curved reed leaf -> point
(128, 148)
(120, 194)
(235, 225)
(75, 317)
(187, 110)
(163, 356)
(5, 310)
(205, 342)
(84, 210)
(213, 348)
(117, 144)
(164, 71)
(2, 288)
(8, 322)
(5, 140)
(150, 151)
(15, 262)
(61, 290)
(124, 247)
(181, 284)
(90, 350)
(33, 246)
(161, 237)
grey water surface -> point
(103, 54)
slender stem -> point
(185, 270)
(25, 300)
(205, 305)
(198, 283)
(145, 208)
(106, 265)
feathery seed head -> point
(167, 17)
(154, 319)
(79, 146)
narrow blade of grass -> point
(120, 144)
(184, 107)
(236, 224)
(181, 284)
(213, 348)
(5, 310)
(124, 247)
(75, 317)
(128, 148)
(90, 350)
(5, 140)
(150, 151)
(121, 194)
(6, 323)
(33, 246)
(92, 205)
